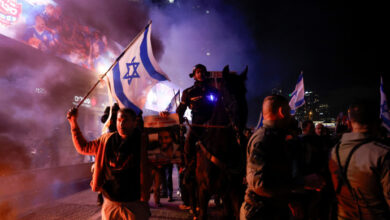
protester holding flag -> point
(120, 158)
(117, 166)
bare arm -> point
(80, 143)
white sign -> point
(156, 121)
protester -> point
(343, 125)
(200, 98)
(315, 157)
(170, 150)
(360, 167)
(110, 126)
(319, 129)
(314, 160)
(167, 153)
(117, 166)
(269, 166)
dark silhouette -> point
(220, 160)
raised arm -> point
(80, 143)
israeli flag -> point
(260, 122)
(174, 103)
(135, 72)
(298, 96)
(384, 110)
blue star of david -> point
(134, 74)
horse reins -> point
(199, 143)
(211, 157)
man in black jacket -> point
(269, 169)
(201, 99)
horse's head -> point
(233, 91)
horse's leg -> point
(193, 197)
(231, 203)
(236, 205)
(227, 206)
(236, 199)
(204, 197)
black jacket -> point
(201, 99)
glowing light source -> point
(171, 1)
(208, 53)
(211, 97)
(160, 96)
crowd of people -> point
(291, 172)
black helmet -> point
(203, 69)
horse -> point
(220, 165)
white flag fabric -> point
(174, 103)
(384, 110)
(136, 71)
(298, 96)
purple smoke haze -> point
(37, 89)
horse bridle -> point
(206, 152)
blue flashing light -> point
(211, 97)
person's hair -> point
(129, 112)
(306, 123)
(364, 112)
(170, 132)
(277, 101)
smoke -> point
(35, 97)
(38, 88)
(118, 20)
(214, 34)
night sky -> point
(338, 45)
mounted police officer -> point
(201, 99)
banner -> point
(42, 25)
(156, 121)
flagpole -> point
(109, 69)
(174, 96)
